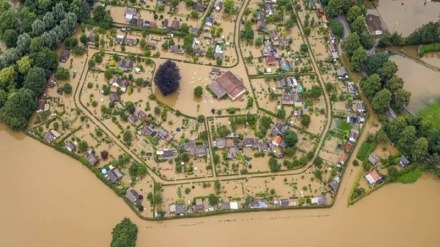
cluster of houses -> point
(271, 57)
(200, 206)
(374, 177)
(135, 198)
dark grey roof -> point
(180, 209)
(404, 161)
(132, 195)
(333, 185)
(217, 89)
(92, 158)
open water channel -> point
(49, 199)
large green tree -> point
(18, 108)
(381, 100)
(290, 138)
(359, 59)
(124, 234)
(389, 68)
(371, 85)
(407, 139)
(419, 149)
(35, 80)
(351, 43)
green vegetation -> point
(431, 111)
(365, 150)
(124, 234)
(428, 48)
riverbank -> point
(47, 188)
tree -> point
(381, 137)
(83, 39)
(336, 7)
(127, 137)
(274, 166)
(23, 43)
(359, 59)
(375, 62)
(381, 100)
(358, 25)
(35, 80)
(419, 149)
(229, 6)
(290, 138)
(8, 78)
(401, 99)
(83, 146)
(394, 129)
(223, 131)
(92, 64)
(184, 28)
(353, 13)
(213, 199)
(49, 21)
(71, 42)
(36, 44)
(407, 139)
(394, 84)
(58, 12)
(371, 85)
(188, 41)
(124, 234)
(62, 74)
(167, 78)
(194, 14)
(315, 91)
(46, 59)
(351, 43)
(10, 38)
(67, 88)
(305, 120)
(304, 48)
(198, 91)
(18, 108)
(337, 28)
(389, 68)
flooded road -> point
(49, 199)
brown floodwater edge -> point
(51, 200)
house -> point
(228, 84)
(284, 42)
(215, 71)
(180, 209)
(278, 129)
(324, 19)
(165, 24)
(134, 119)
(373, 159)
(119, 39)
(271, 60)
(285, 64)
(298, 113)
(284, 202)
(248, 142)
(65, 56)
(348, 147)
(353, 136)
(342, 159)
(333, 47)
(151, 45)
(352, 89)
(137, 22)
(113, 175)
(260, 16)
(164, 134)
(262, 147)
(151, 24)
(261, 25)
(175, 25)
(166, 154)
(114, 97)
(319, 200)
(175, 49)
(92, 158)
(130, 13)
(220, 142)
(51, 136)
(91, 39)
(321, 10)
(287, 99)
(199, 6)
(209, 21)
(360, 107)
(41, 105)
(70, 146)
(374, 178)
(374, 23)
(268, 10)
(129, 41)
(52, 81)
(199, 52)
(258, 204)
(143, 115)
(268, 50)
(274, 34)
(277, 140)
(335, 56)
(125, 65)
(132, 196)
(201, 151)
(404, 162)
(287, 82)
(199, 208)
(225, 206)
(194, 31)
(149, 131)
(342, 73)
(119, 83)
(334, 184)
(218, 5)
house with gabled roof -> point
(228, 84)
(199, 6)
(114, 97)
(51, 136)
(271, 60)
(92, 158)
(285, 64)
(342, 73)
(284, 42)
(70, 146)
(374, 177)
(130, 13)
(404, 162)
(125, 65)
(120, 83)
(166, 154)
(65, 56)
(218, 5)
(353, 136)
(373, 159)
(132, 196)
(287, 82)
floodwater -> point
(49, 199)
(421, 81)
(404, 16)
(432, 58)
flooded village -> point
(270, 114)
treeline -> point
(428, 33)
(383, 87)
(416, 138)
(31, 32)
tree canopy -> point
(18, 108)
(290, 138)
(167, 78)
(124, 234)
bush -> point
(67, 88)
(124, 234)
(198, 91)
(62, 74)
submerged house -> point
(228, 84)
(119, 83)
(374, 24)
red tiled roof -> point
(375, 175)
(231, 84)
(271, 59)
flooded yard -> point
(421, 81)
(404, 16)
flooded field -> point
(404, 16)
(421, 81)
(46, 188)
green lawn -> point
(432, 110)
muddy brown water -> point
(49, 199)
(404, 16)
(421, 81)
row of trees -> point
(428, 33)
